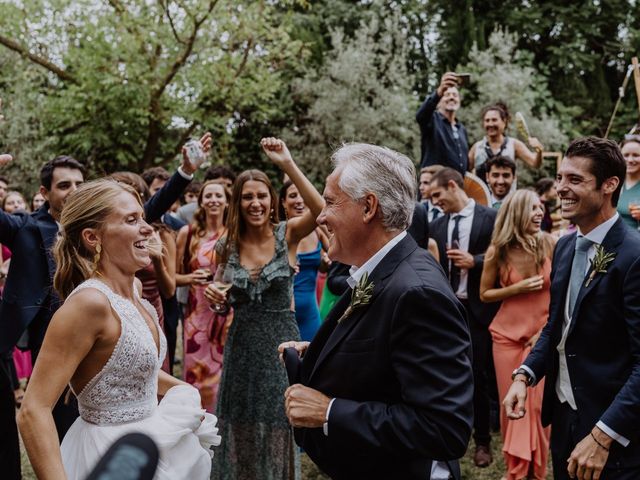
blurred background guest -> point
(204, 330)
(629, 202)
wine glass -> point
(634, 205)
(222, 280)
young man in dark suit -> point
(463, 235)
(589, 350)
(385, 387)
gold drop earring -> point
(96, 259)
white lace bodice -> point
(126, 388)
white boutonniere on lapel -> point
(360, 296)
(599, 263)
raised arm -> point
(534, 160)
(69, 339)
(299, 227)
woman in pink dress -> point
(204, 329)
(520, 259)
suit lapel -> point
(49, 231)
(385, 268)
(476, 226)
(610, 243)
(440, 236)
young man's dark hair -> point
(150, 174)
(46, 173)
(194, 187)
(501, 162)
(606, 161)
(447, 174)
(219, 171)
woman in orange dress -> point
(520, 259)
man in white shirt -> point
(385, 388)
(463, 235)
(589, 351)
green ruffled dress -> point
(257, 440)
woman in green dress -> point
(257, 440)
(629, 202)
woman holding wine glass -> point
(261, 251)
(204, 328)
(629, 202)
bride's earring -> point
(96, 258)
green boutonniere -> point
(599, 263)
(360, 296)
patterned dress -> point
(204, 332)
(257, 440)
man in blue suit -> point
(589, 351)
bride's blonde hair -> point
(510, 229)
(87, 207)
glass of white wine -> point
(222, 280)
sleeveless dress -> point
(526, 441)
(151, 293)
(204, 334)
(304, 293)
(122, 398)
(257, 440)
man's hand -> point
(188, 167)
(305, 407)
(461, 259)
(588, 458)
(301, 347)
(5, 158)
(277, 151)
(514, 401)
(448, 80)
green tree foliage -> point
(581, 47)
(362, 93)
(122, 84)
(502, 72)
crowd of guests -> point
(242, 268)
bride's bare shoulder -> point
(88, 309)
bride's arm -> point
(70, 336)
(166, 381)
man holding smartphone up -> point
(463, 235)
(443, 140)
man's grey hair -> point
(387, 174)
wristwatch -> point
(521, 371)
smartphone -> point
(463, 78)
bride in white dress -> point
(106, 344)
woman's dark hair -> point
(502, 110)
(235, 222)
(282, 196)
(606, 161)
(543, 185)
(133, 180)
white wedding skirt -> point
(175, 426)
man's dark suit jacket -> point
(28, 291)
(419, 228)
(603, 346)
(480, 239)
(400, 371)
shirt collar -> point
(597, 234)
(368, 266)
(468, 209)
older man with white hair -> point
(385, 388)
